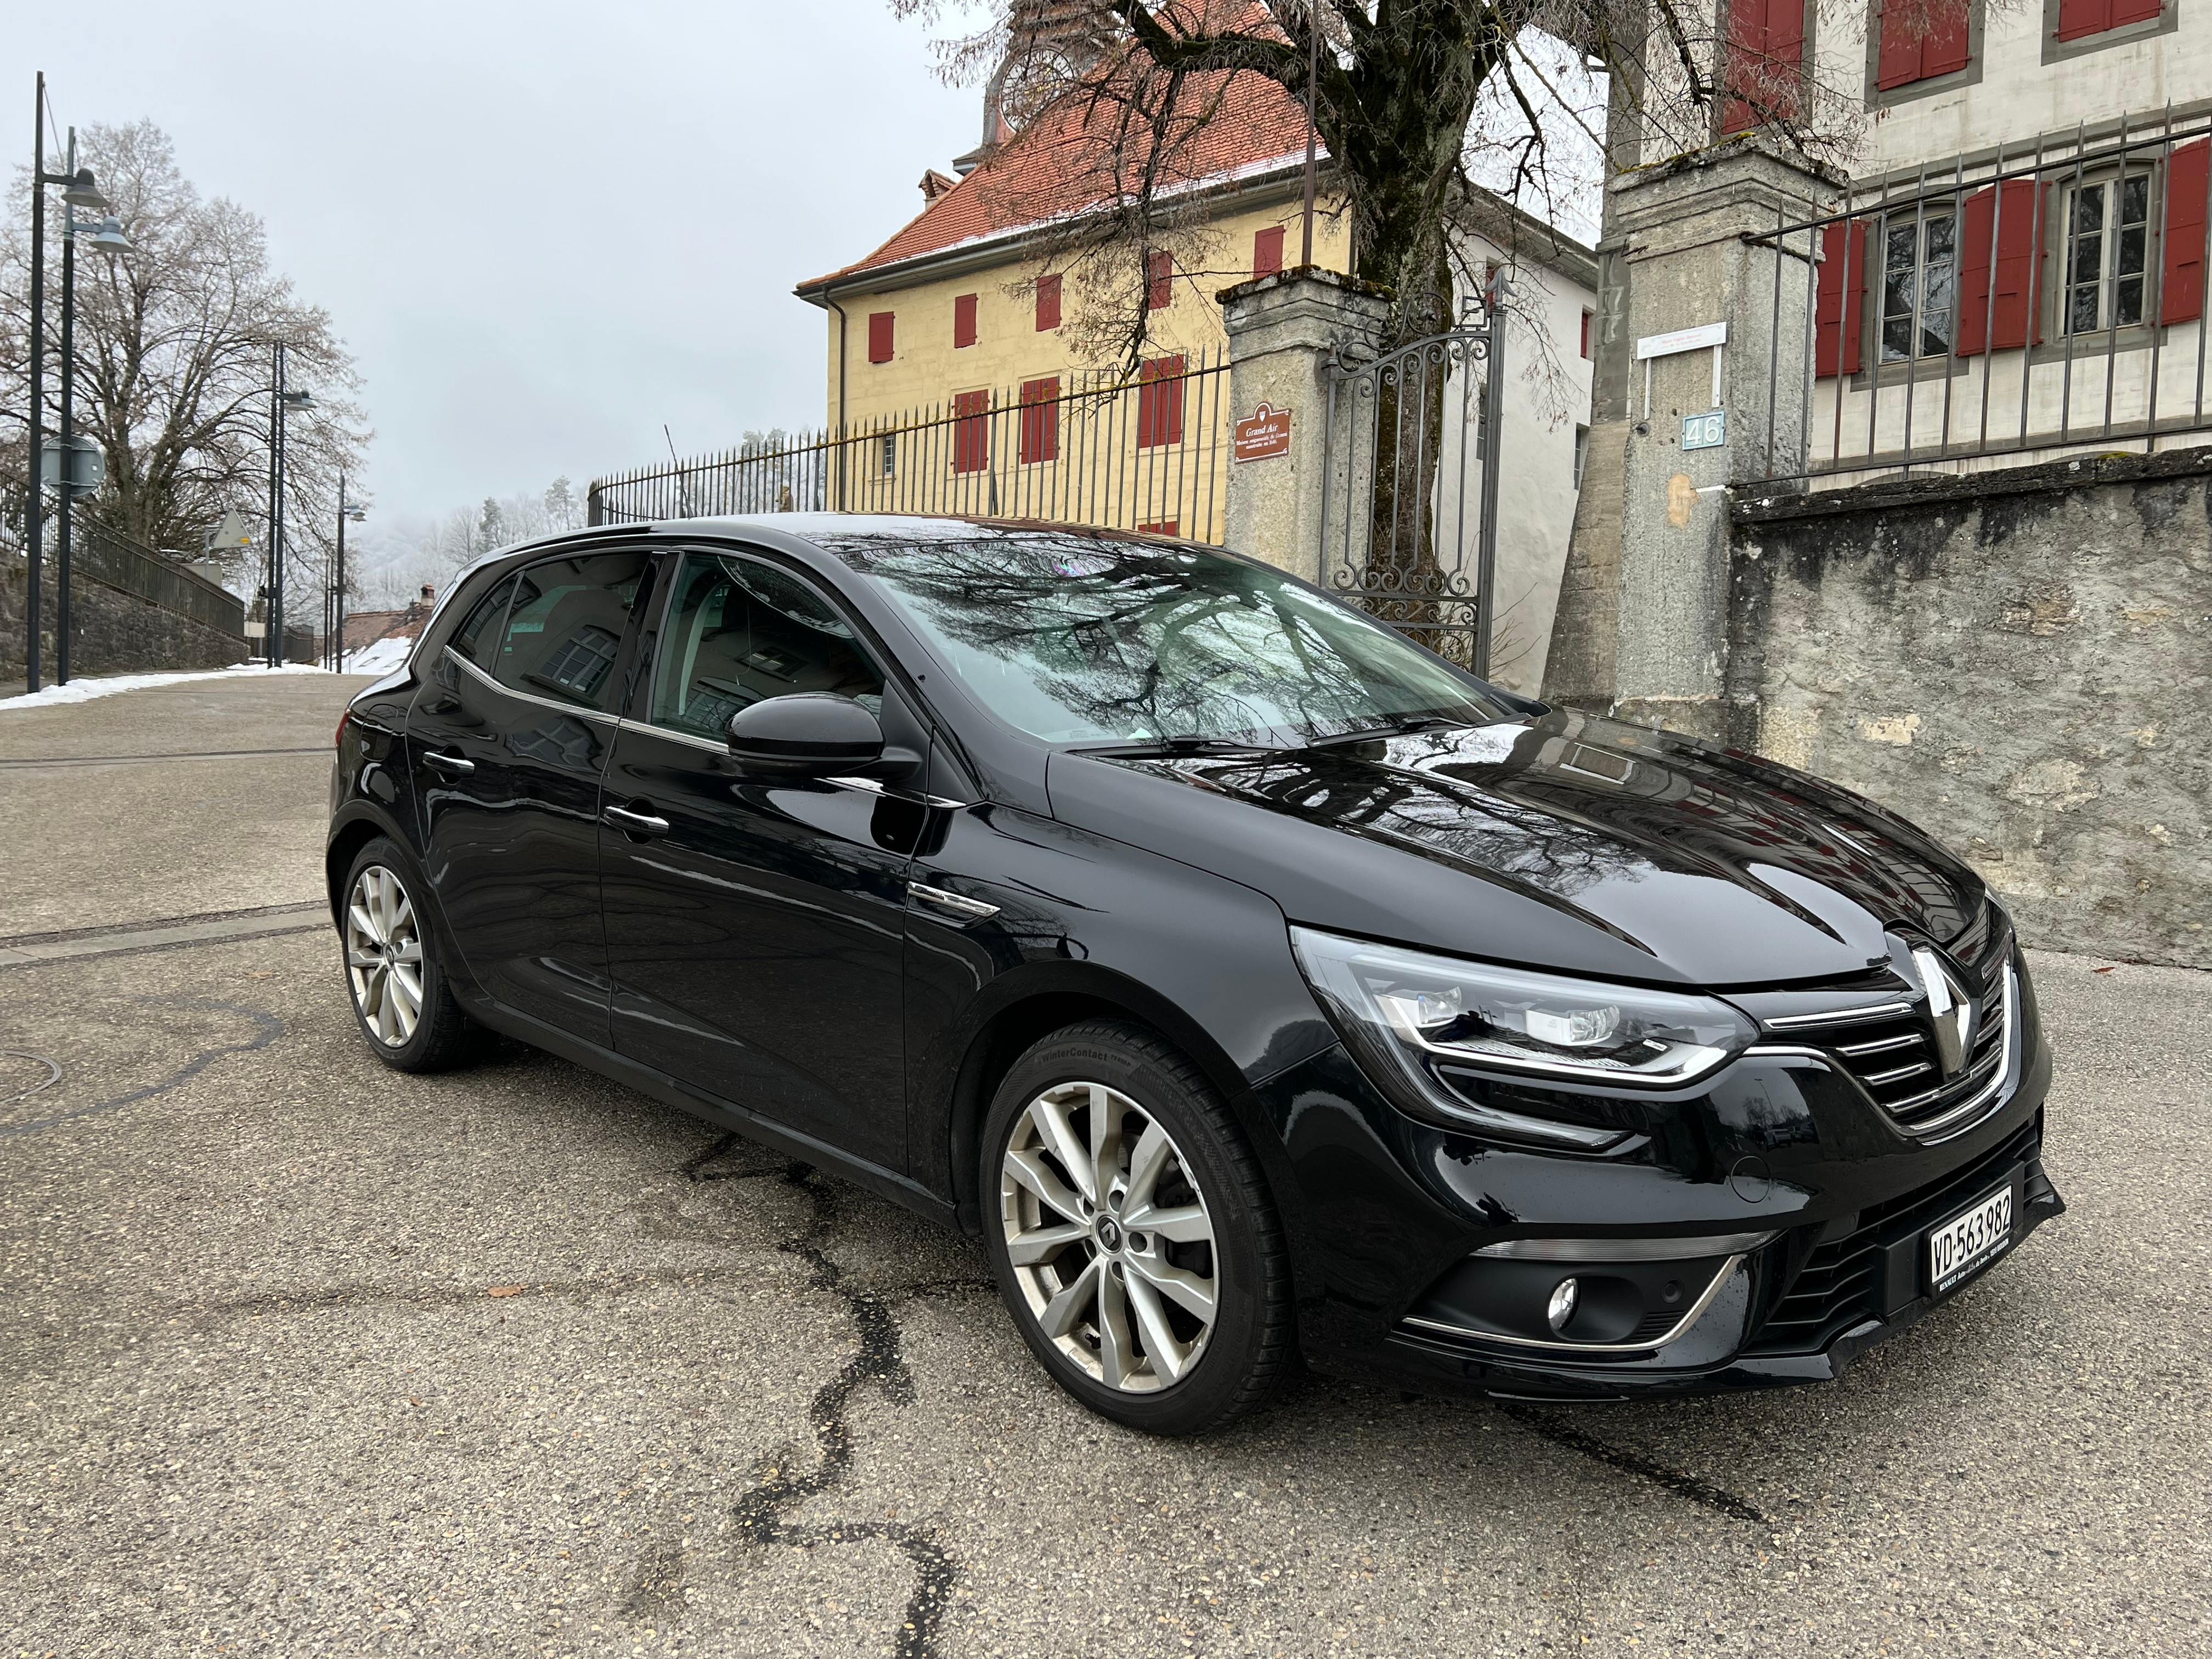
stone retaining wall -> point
(115, 633)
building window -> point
(891, 453)
(879, 336)
(1925, 39)
(1159, 282)
(1581, 454)
(1586, 333)
(1765, 71)
(1048, 304)
(2080, 18)
(1039, 420)
(1919, 285)
(1266, 251)
(1159, 403)
(2106, 252)
(971, 431)
(963, 320)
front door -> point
(508, 739)
(755, 929)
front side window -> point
(565, 628)
(1074, 638)
(2107, 229)
(1919, 280)
(739, 631)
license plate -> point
(1968, 1240)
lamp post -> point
(281, 403)
(336, 632)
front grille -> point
(1843, 1281)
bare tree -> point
(174, 345)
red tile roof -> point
(1076, 156)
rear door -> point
(756, 928)
(509, 737)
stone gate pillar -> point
(1689, 259)
(1284, 330)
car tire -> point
(1109, 1278)
(389, 956)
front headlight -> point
(1419, 1019)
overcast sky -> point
(543, 228)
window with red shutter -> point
(1925, 39)
(1839, 304)
(1999, 237)
(879, 336)
(1048, 309)
(1039, 420)
(1586, 326)
(971, 431)
(2181, 280)
(2079, 17)
(1766, 63)
(1159, 282)
(1266, 251)
(963, 320)
(1159, 403)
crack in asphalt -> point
(758, 1514)
(1695, 1487)
(267, 1029)
(359, 1296)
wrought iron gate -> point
(1409, 490)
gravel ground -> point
(301, 1357)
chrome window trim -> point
(504, 690)
(1674, 1333)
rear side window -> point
(473, 638)
(565, 628)
(738, 631)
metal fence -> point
(115, 561)
(2024, 299)
(1142, 453)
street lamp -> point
(73, 473)
(336, 609)
(281, 405)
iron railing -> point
(1102, 449)
(106, 556)
(2032, 298)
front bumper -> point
(1382, 1209)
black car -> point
(1256, 983)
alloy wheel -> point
(383, 955)
(1108, 1237)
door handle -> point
(634, 823)
(452, 764)
(958, 907)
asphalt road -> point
(301, 1357)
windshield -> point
(1077, 639)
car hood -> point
(1557, 841)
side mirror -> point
(806, 734)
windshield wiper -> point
(1177, 746)
(1397, 728)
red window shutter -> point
(1164, 527)
(2079, 17)
(1745, 72)
(879, 336)
(1785, 56)
(1898, 63)
(1159, 282)
(1048, 296)
(1159, 403)
(1977, 250)
(1586, 326)
(1943, 49)
(963, 320)
(2126, 12)
(2181, 279)
(1266, 251)
(971, 431)
(2018, 277)
(1839, 304)
(1040, 429)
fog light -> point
(1563, 1304)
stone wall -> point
(2020, 661)
(115, 633)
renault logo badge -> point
(1950, 1011)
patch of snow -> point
(85, 688)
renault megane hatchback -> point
(1254, 982)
